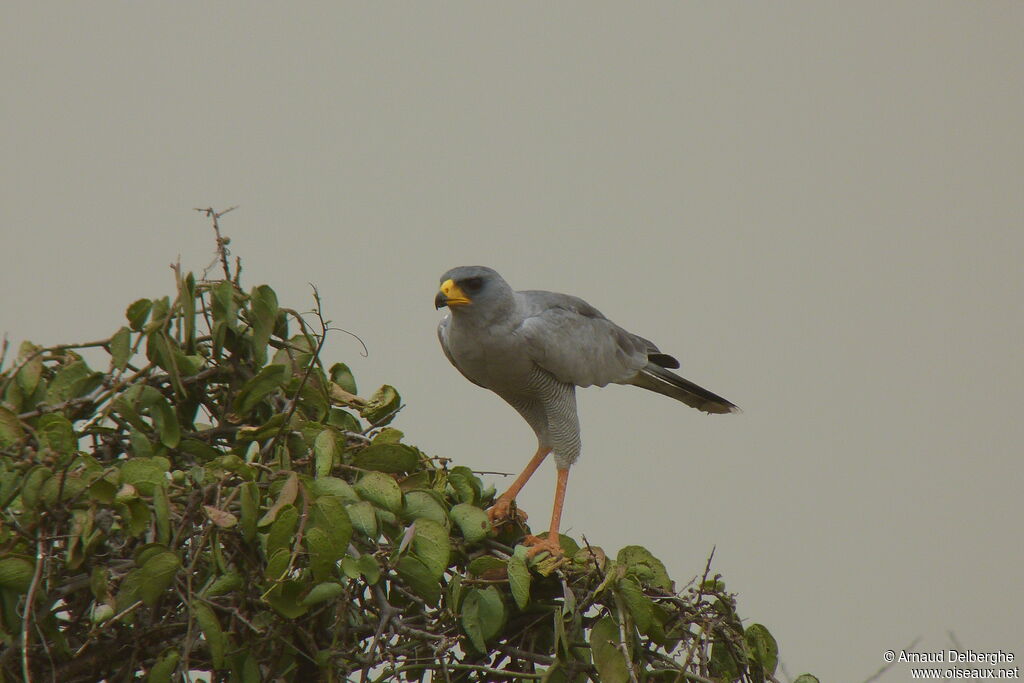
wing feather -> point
(578, 345)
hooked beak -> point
(451, 295)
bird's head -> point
(468, 286)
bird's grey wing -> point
(574, 342)
(442, 336)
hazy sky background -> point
(816, 206)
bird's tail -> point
(658, 379)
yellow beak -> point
(451, 295)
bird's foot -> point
(539, 545)
(504, 511)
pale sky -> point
(816, 206)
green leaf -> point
(416, 575)
(608, 658)
(722, 663)
(423, 503)
(519, 577)
(350, 568)
(99, 584)
(332, 486)
(382, 406)
(166, 422)
(16, 574)
(430, 543)
(212, 632)
(763, 647)
(289, 492)
(343, 420)
(164, 667)
(483, 615)
(364, 518)
(138, 517)
(265, 431)
(156, 575)
(388, 435)
(164, 352)
(554, 674)
(286, 599)
(369, 568)
(73, 380)
(145, 474)
(328, 513)
(144, 553)
(342, 376)
(387, 457)
(323, 554)
(29, 374)
(806, 678)
(158, 315)
(187, 301)
(263, 304)
(277, 564)
(282, 530)
(381, 490)
(472, 521)
(223, 305)
(485, 564)
(11, 431)
(162, 513)
(648, 569)
(56, 433)
(121, 348)
(224, 584)
(31, 489)
(640, 607)
(266, 381)
(188, 365)
(465, 483)
(325, 452)
(249, 503)
(66, 486)
(137, 313)
(323, 592)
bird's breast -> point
(495, 359)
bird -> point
(533, 348)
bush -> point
(217, 500)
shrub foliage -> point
(216, 499)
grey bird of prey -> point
(533, 348)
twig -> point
(26, 620)
(294, 402)
(365, 353)
(96, 631)
(697, 600)
(523, 654)
(230, 610)
(623, 644)
(387, 610)
(495, 672)
(222, 242)
(597, 566)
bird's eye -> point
(472, 284)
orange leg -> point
(499, 512)
(551, 543)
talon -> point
(505, 512)
(538, 545)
